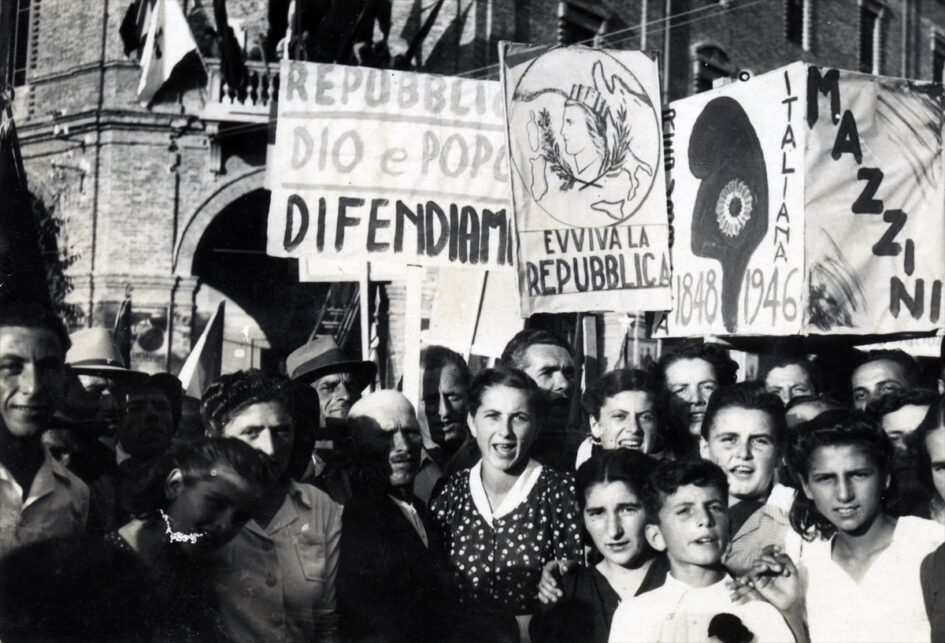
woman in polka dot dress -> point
(504, 518)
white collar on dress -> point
(516, 495)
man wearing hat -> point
(336, 378)
(103, 374)
(337, 381)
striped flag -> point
(203, 365)
(169, 41)
(122, 331)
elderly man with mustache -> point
(391, 580)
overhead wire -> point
(720, 10)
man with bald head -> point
(391, 577)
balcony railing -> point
(249, 102)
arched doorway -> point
(231, 259)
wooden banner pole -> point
(412, 321)
(364, 296)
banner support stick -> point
(364, 290)
(412, 321)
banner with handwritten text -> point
(389, 165)
(875, 204)
(735, 160)
(587, 182)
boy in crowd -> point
(743, 433)
(686, 504)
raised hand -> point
(775, 577)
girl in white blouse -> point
(859, 563)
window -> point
(938, 55)
(19, 42)
(794, 21)
(871, 37)
(579, 21)
(709, 64)
(797, 22)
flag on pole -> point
(22, 273)
(134, 24)
(203, 365)
(122, 331)
(168, 43)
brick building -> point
(167, 205)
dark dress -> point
(932, 576)
(181, 605)
(587, 608)
(497, 568)
(390, 586)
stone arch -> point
(201, 217)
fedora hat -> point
(93, 352)
(322, 356)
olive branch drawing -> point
(614, 156)
(551, 152)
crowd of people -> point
(679, 504)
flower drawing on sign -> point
(733, 209)
(591, 145)
(730, 217)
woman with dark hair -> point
(687, 377)
(276, 579)
(189, 503)
(504, 518)
(861, 561)
(609, 491)
(928, 443)
(624, 413)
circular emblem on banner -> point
(585, 137)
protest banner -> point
(385, 165)
(809, 201)
(587, 182)
(736, 187)
(875, 203)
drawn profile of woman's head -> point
(584, 113)
(730, 217)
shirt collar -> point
(48, 476)
(292, 505)
(678, 586)
(516, 495)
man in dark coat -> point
(391, 578)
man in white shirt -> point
(39, 498)
(687, 509)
